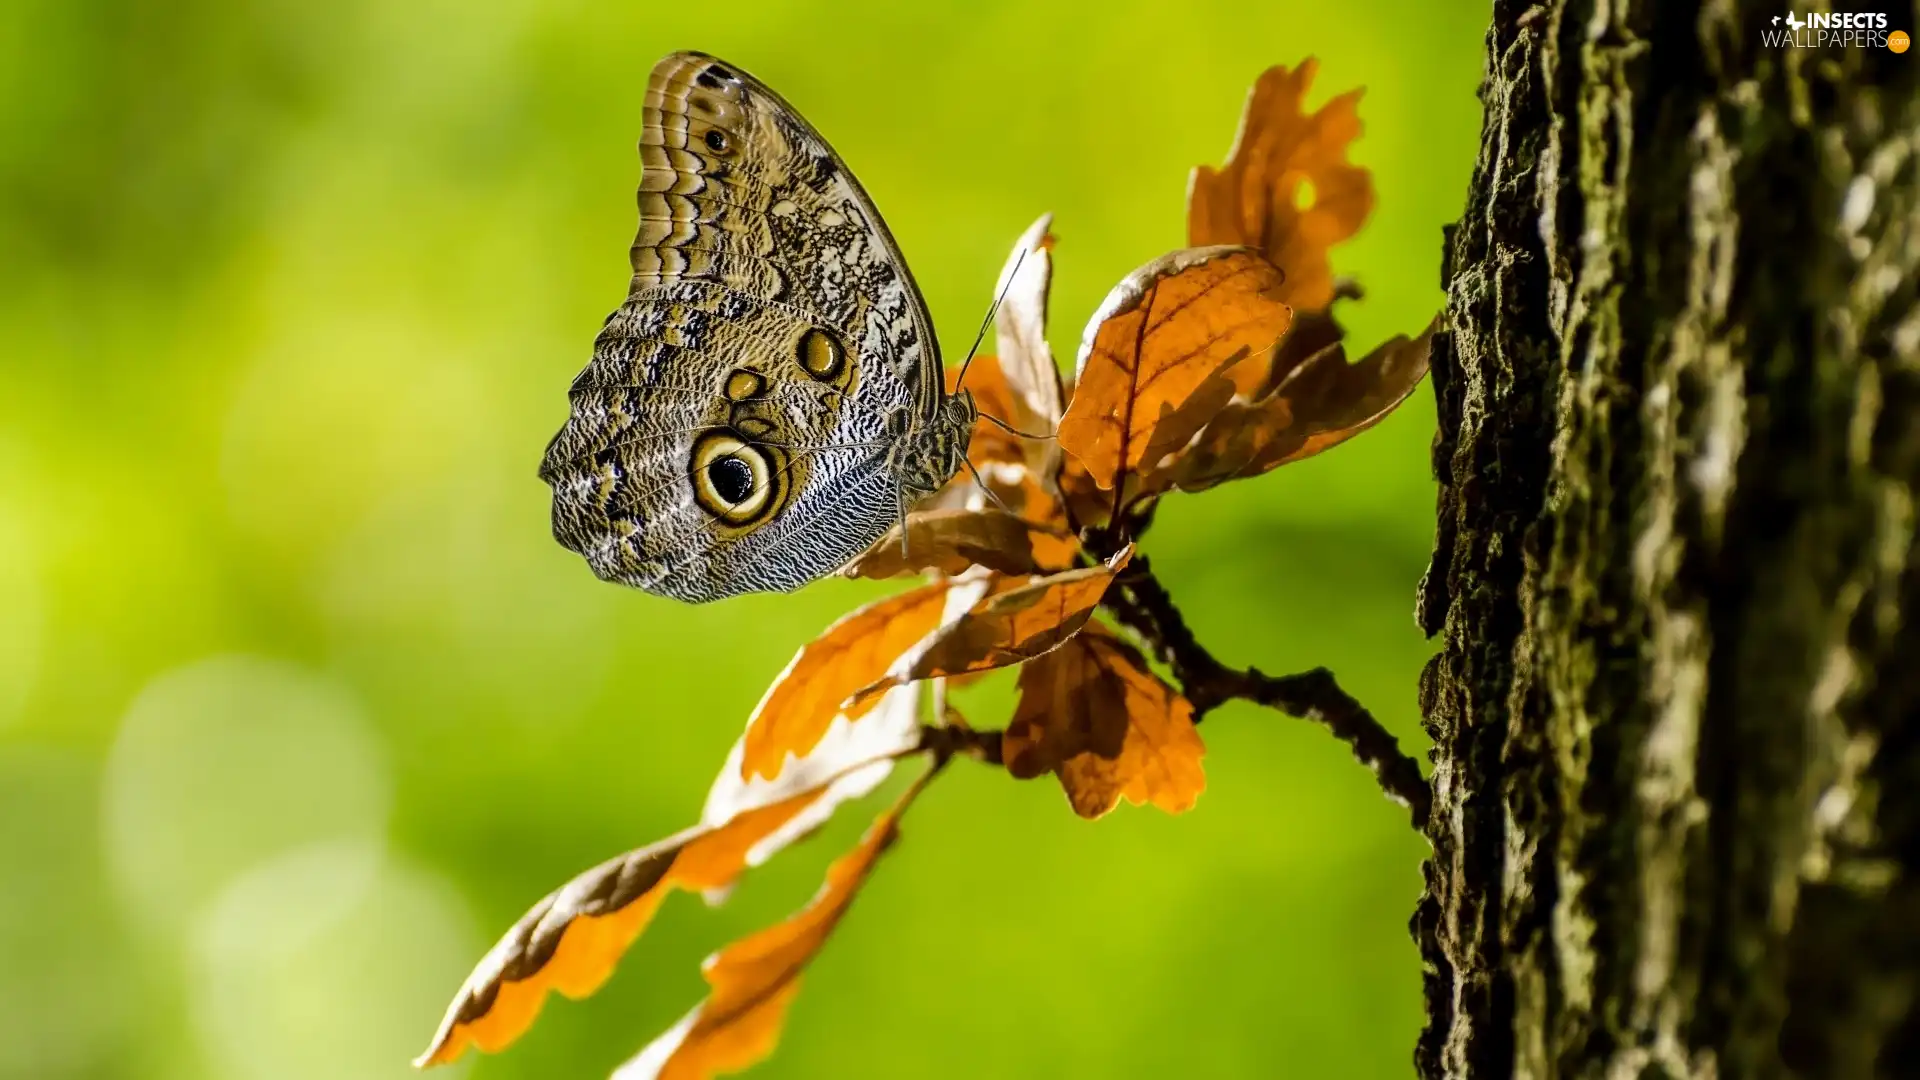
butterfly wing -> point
(787, 218)
(730, 433)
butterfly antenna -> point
(1011, 430)
(988, 321)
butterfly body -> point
(769, 398)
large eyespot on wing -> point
(710, 450)
(740, 483)
(738, 187)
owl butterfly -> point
(768, 400)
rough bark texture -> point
(1676, 710)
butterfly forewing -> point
(778, 195)
(732, 431)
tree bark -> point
(1676, 708)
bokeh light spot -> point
(330, 961)
(228, 761)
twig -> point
(1142, 604)
(959, 740)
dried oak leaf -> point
(950, 541)
(1020, 331)
(1016, 488)
(1081, 494)
(1151, 367)
(1026, 360)
(803, 701)
(849, 761)
(1022, 389)
(1287, 187)
(572, 939)
(1092, 713)
(755, 979)
(1321, 402)
(1005, 628)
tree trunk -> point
(1676, 711)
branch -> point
(1142, 604)
(956, 739)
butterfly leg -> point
(900, 500)
(984, 489)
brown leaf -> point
(1021, 331)
(1080, 492)
(755, 979)
(1026, 360)
(1287, 187)
(1092, 713)
(1021, 388)
(1016, 488)
(849, 761)
(950, 541)
(803, 701)
(1005, 628)
(1311, 332)
(572, 939)
(1008, 487)
(1320, 403)
(1150, 369)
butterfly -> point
(769, 399)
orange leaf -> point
(1023, 389)
(571, 940)
(1079, 490)
(1014, 487)
(1151, 364)
(1005, 629)
(1311, 332)
(803, 701)
(849, 761)
(1094, 715)
(1320, 403)
(756, 978)
(1287, 187)
(1020, 329)
(950, 541)
(1054, 547)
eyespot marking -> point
(717, 141)
(743, 385)
(821, 355)
(737, 482)
(731, 479)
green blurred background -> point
(300, 706)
